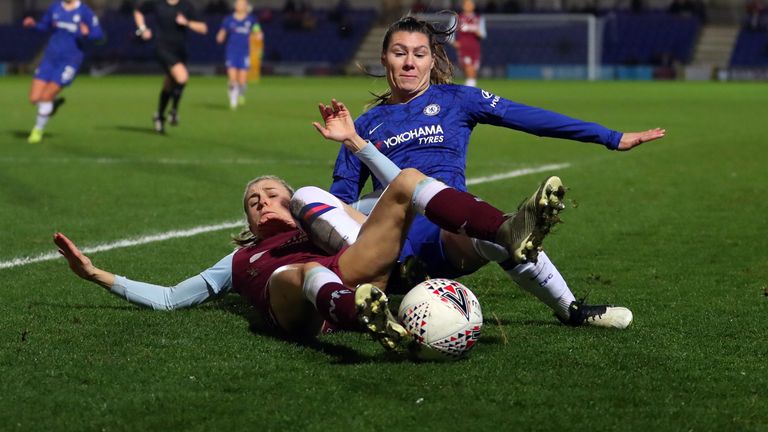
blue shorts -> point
(423, 241)
(62, 72)
(239, 61)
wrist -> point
(355, 143)
(140, 30)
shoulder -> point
(85, 10)
(453, 89)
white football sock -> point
(232, 95)
(425, 191)
(471, 82)
(545, 282)
(490, 250)
(44, 110)
(316, 279)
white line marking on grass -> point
(516, 173)
(168, 235)
(161, 161)
(16, 262)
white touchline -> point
(16, 262)
(168, 235)
(516, 173)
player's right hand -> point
(29, 22)
(146, 34)
(80, 264)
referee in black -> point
(172, 17)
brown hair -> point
(246, 237)
(442, 73)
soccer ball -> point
(444, 317)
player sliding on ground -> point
(293, 285)
(423, 121)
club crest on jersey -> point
(432, 109)
(486, 95)
(456, 297)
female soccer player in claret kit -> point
(236, 31)
(294, 285)
(173, 18)
(71, 23)
(423, 121)
(470, 31)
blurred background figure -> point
(236, 31)
(470, 31)
(70, 22)
(172, 18)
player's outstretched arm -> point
(196, 26)
(191, 292)
(80, 264)
(339, 126)
(630, 140)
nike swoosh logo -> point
(370, 132)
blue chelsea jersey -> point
(431, 133)
(67, 41)
(238, 33)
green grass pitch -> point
(676, 230)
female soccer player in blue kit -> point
(236, 30)
(425, 122)
(71, 23)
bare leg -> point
(371, 257)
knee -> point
(407, 180)
(181, 77)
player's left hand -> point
(630, 140)
(29, 22)
(181, 20)
(84, 30)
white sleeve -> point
(213, 282)
(482, 32)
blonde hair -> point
(246, 236)
(442, 72)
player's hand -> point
(29, 22)
(338, 125)
(182, 20)
(146, 35)
(84, 30)
(80, 264)
(630, 140)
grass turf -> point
(674, 230)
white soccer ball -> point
(444, 317)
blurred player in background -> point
(71, 23)
(424, 122)
(236, 30)
(173, 18)
(470, 30)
